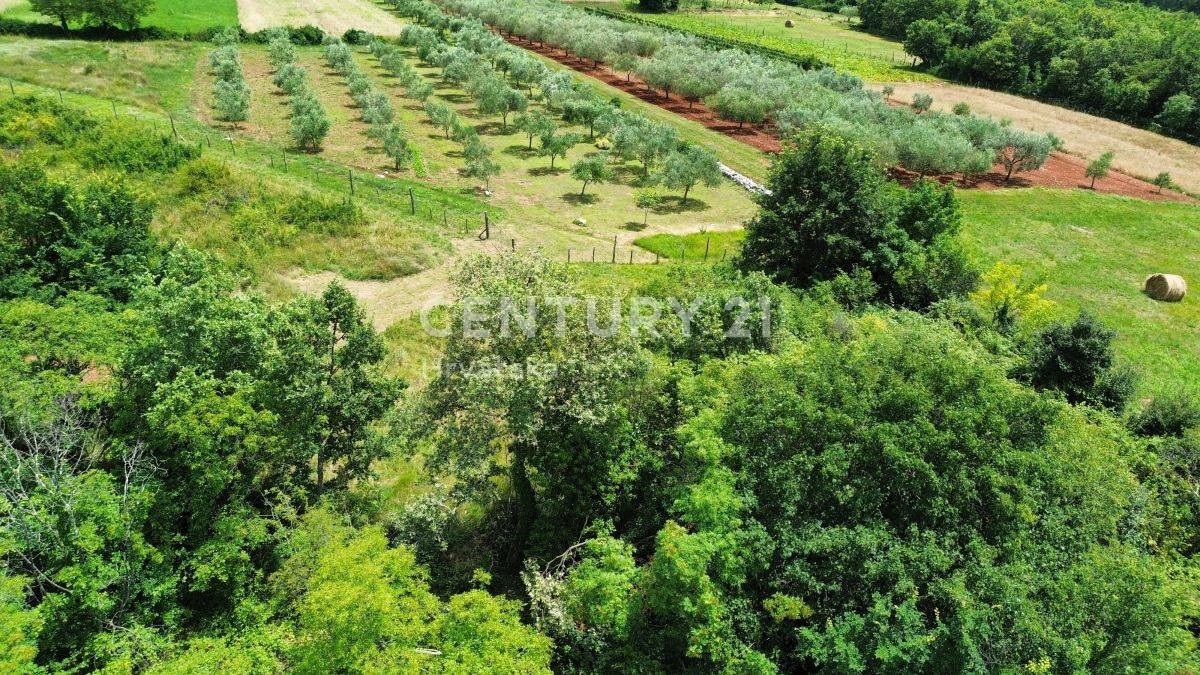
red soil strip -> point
(753, 136)
(1060, 171)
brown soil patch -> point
(1060, 171)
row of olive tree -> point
(309, 122)
(231, 94)
(752, 89)
(375, 106)
(496, 74)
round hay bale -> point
(1165, 287)
(789, 24)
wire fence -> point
(397, 195)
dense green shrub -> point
(56, 237)
(1120, 60)
(832, 213)
(1168, 414)
(1078, 360)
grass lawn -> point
(694, 247)
(150, 75)
(189, 16)
(1094, 251)
(824, 35)
(185, 16)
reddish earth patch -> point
(1060, 171)
(756, 137)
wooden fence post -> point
(614, 255)
(412, 202)
(350, 173)
(707, 241)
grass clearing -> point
(694, 247)
(1095, 251)
(190, 16)
(151, 75)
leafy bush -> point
(852, 221)
(1169, 414)
(56, 238)
(1078, 360)
(130, 146)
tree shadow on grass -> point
(547, 171)
(454, 98)
(677, 205)
(629, 175)
(520, 150)
(579, 200)
(494, 129)
(634, 226)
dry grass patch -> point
(334, 17)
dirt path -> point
(335, 18)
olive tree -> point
(1098, 168)
(535, 123)
(689, 165)
(591, 169)
(1022, 150)
(741, 105)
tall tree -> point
(551, 392)
(326, 385)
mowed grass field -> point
(1094, 251)
(333, 17)
(184, 16)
